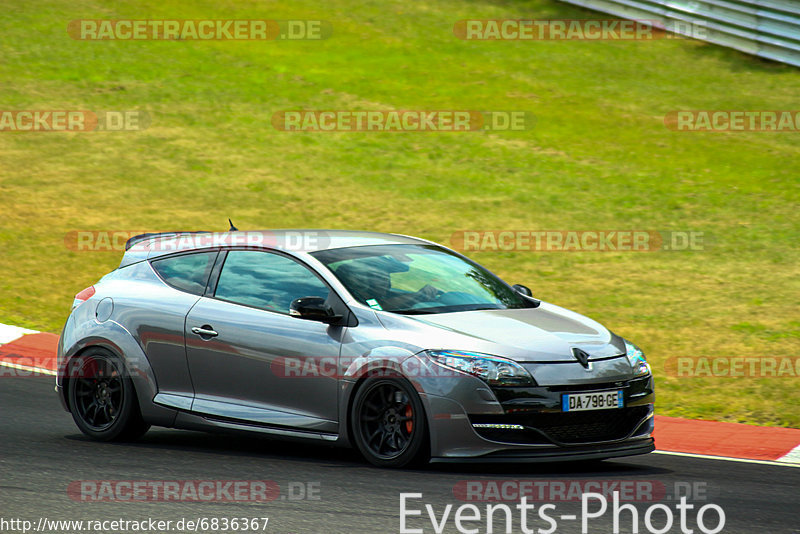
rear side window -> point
(188, 272)
(265, 280)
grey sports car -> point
(400, 347)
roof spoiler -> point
(141, 237)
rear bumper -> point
(60, 392)
(59, 389)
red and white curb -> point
(9, 333)
(735, 441)
(29, 353)
(793, 457)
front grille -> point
(564, 428)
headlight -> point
(637, 359)
(493, 370)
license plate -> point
(596, 400)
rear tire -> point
(102, 399)
(389, 424)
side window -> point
(188, 272)
(266, 280)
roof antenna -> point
(233, 228)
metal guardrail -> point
(765, 28)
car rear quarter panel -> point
(141, 319)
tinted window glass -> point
(266, 280)
(188, 272)
(417, 279)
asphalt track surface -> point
(42, 452)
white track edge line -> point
(39, 370)
(793, 456)
(778, 462)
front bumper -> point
(595, 452)
(530, 425)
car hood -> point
(543, 334)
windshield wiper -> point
(413, 312)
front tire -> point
(102, 399)
(389, 424)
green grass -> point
(599, 157)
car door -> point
(238, 340)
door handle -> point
(204, 331)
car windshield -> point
(417, 279)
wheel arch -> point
(114, 338)
(388, 370)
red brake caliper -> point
(409, 423)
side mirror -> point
(313, 309)
(527, 295)
(525, 290)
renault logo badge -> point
(582, 357)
